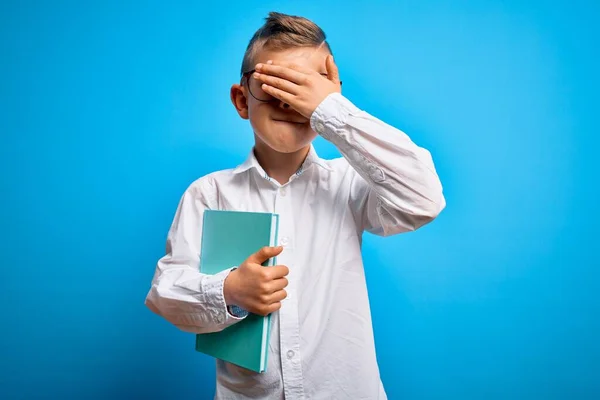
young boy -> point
(322, 343)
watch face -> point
(237, 311)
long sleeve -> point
(394, 186)
(190, 300)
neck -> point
(279, 166)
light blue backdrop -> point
(108, 111)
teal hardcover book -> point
(228, 239)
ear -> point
(239, 100)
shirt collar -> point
(311, 158)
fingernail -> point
(258, 66)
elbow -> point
(431, 203)
(429, 211)
(395, 220)
(419, 216)
(432, 208)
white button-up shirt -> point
(322, 343)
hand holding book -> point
(255, 288)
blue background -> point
(108, 111)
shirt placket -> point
(289, 337)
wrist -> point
(229, 282)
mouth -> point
(290, 121)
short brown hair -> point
(281, 32)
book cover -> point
(228, 239)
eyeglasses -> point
(255, 88)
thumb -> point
(264, 254)
(333, 73)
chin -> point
(287, 147)
(286, 137)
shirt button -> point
(282, 191)
(320, 127)
(290, 353)
(284, 241)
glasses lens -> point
(255, 90)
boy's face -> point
(274, 122)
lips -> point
(291, 121)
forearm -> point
(192, 301)
(400, 174)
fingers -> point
(270, 303)
(268, 283)
(278, 94)
(278, 284)
(296, 74)
(264, 254)
(267, 309)
(333, 74)
(278, 83)
(278, 296)
(277, 271)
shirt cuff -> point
(212, 287)
(332, 114)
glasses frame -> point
(247, 76)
